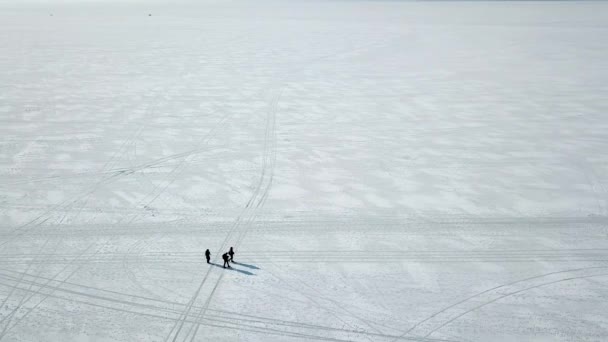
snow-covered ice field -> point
(386, 171)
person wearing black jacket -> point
(208, 255)
(226, 259)
(231, 253)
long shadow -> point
(246, 265)
(231, 269)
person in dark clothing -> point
(231, 253)
(226, 259)
(208, 255)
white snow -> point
(386, 170)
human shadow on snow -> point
(246, 265)
(231, 269)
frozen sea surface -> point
(386, 171)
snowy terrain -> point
(386, 171)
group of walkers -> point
(228, 257)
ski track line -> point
(30, 310)
(269, 153)
(27, 227)
(273, 148)
(6, 328)
(120, 151)
(18, 307)
(64, 204)
(87, 192)
(332, 312)
(174, 173)
(322, 307)
(131, 139)
(19, 282)
(61, 288)
(154, 228)
(235, 229)
(128, 170)
(184, 315)
(172, 176)
(391, 226)
(72, 294)
(143, 270)
(370, 324)
(494, 289)
(201, 313)
(239, 325)
(49, 280)
(138, 263)
(224, 245)
(271, 121)
(126, 145)
(349, 253)
(194, 298)
(331, 257)
(321, 261)
(513, 293)
(130, 274)
(345, 257)
(29, 266)
(180, 323)
(236, 318)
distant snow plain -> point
(386, 171)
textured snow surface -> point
(386, 171)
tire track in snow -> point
(19, 282)
(247, 215)
(70, 202)
(201, 146)
(123, 170)
(175, 171)
(121, 151)
(169, 310)
(29, 266)
(7, 327)
(388, 225)
(510, 294)
(255, 201)
(313, 299)
(347, 256)
(494, 295)
(269, 146)
(265, 183)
